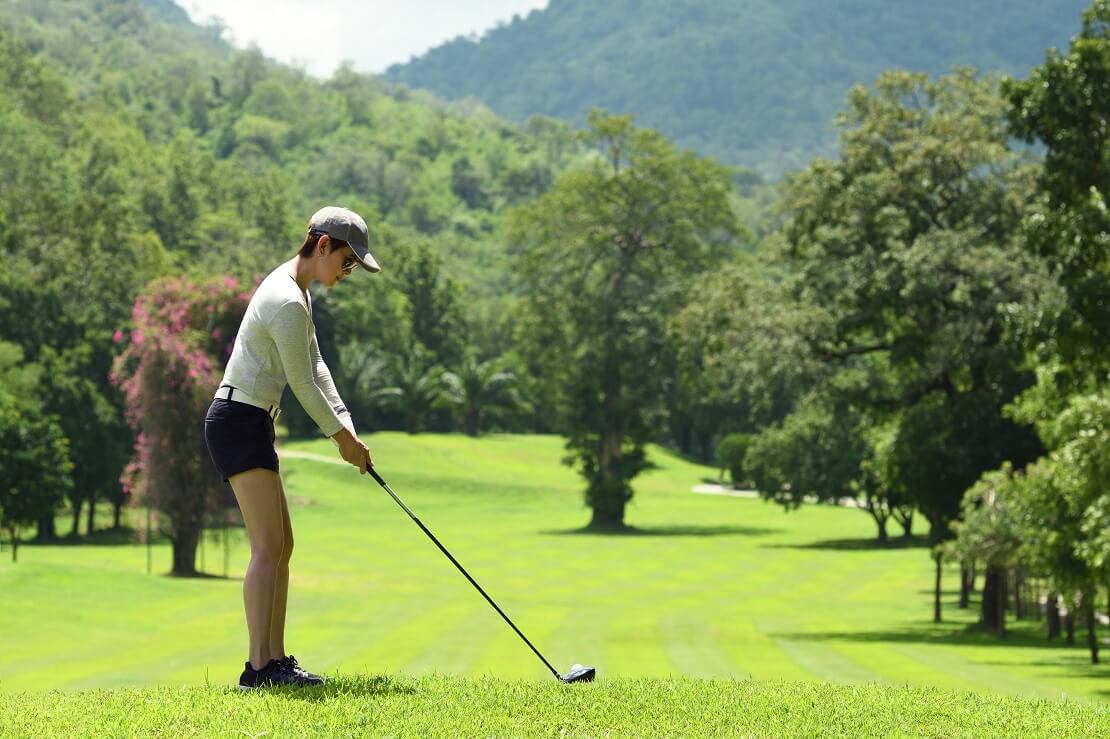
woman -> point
(276, 345)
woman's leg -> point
(281, 582)
(259, 494)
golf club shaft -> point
(455, 562)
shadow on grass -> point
(676, 530)
(345, 686)
(971, 635)
(202, 576)
(858, 545)
(122, 536)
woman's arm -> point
(291, 328)
(321, 375)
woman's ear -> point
(325, 240)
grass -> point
(758, 604)
(454, 706)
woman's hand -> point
(353, 450)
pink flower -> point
(117, 337)
(137, 337)
(230, 283)
(217, 334)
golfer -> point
(276, 345)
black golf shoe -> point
(289, 664)
(274, 673)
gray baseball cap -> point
(346, 225)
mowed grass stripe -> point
(691, 644)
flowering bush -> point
(170, 362)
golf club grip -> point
(460, 568)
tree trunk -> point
(993, 613)
(1052, 615)
(883, 538)
(1069, 627)
(412, 422)
(967, 583)
(15, 543)
(92, 513)
(880, 515)
(936, 591)
(77, 507)
(117, 511)
(1019, 606)
(46, 530)
(904, 516)
(1092, 634)
(185, 553)
(470, 421)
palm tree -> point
(479, 387)
(411, 384)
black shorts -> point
(240, 437)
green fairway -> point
(708, 587)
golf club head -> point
(579, 674)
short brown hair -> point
(313, 238)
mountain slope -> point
(752, 82)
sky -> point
(372, 34)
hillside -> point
(750, 82)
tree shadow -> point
(202, 576)
(858, 545)
(122, 536)
(675, 530)
(339, 687)
(969, 635)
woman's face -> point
(339, 262)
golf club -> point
(577, 673)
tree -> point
(477, 389)
(604, 258)
(168, 370)
(990, 531)
(34, 467)
(411, 384)
(911, 245)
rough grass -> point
(454, 706)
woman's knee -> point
(269, 548)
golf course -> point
(768, 610)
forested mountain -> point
(750, 82)
(424, 168)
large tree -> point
(906, 251)
(605, 257)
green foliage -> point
(752, 83)
(1063, 105)
(478, 390)
(604, 258)
(34, 452)
(909, 245)
(730, 455)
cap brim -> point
(366, 259)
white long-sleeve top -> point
(276, 345)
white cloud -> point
(372, 35)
